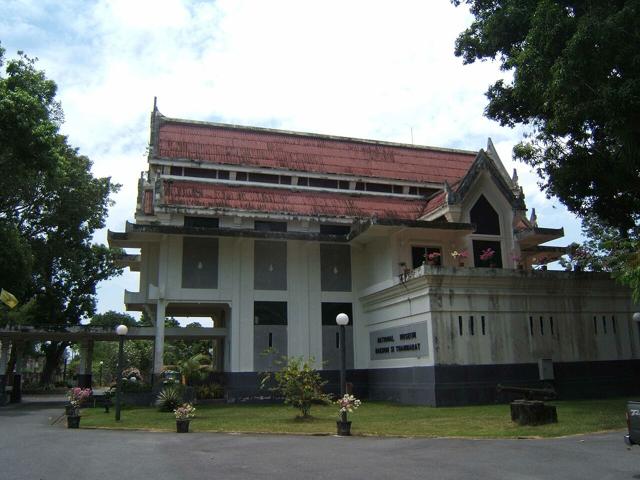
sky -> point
(368, 69)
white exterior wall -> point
(507, 299)
(235, 289)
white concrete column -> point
(158, 352)
(82, 364)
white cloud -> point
(367, 69)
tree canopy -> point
(50, 207)
(576, 85)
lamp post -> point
(342, 319)
(122, 331)
(636, 317)
(101, 366)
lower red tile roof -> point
(231, 145)
(280, 201)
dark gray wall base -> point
(16, 389)
(84, 380)
(476, 384)
(450, 385)
(3, 395)
(245, 386)
(412, 385)
(137, 399)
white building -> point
(272, 233)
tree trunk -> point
(53, 354)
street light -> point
(636, 317)
(122, 331)
(101, 366)
(342, 319)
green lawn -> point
(375, 418)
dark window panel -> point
(200, 172)
(201, 222)
(270, 265)
(335, 268)
(270, 313)
(485, 218)
(199, 262)
(176, 171)
(241, 176)
(379, 187)
(330, 311)
(263, 178)
(223, 175)
(323, 183)
(360, 186)
(335, 229)
(285, 180)
(266, 226)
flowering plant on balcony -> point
(433, 258)
(460, 256)
(487, 254)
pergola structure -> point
(85, 336)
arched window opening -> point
(485, 218)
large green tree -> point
(573, 70)
(575, 83)
(50, 207)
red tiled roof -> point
(280, 201)
(311, 153)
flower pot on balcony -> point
(344, 428)
(73, 421)
(182, 426)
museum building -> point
(430, 252)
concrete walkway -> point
(32, 449)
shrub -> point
(298, 383)
(169, 398)
(212, 390)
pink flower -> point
(487, 254)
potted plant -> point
(487, 255)
(433, 258)
(76, 397)
(348, 403)
(184, 414)
(460, 256)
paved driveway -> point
(30, 448)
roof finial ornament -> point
(155, 104)
(514, 177)
(534, 218)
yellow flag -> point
(8, 299)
